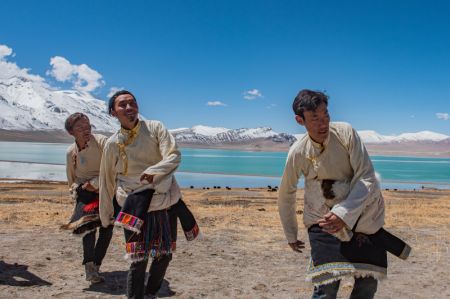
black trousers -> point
(96, 251)
(136, 274)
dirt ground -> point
(243, 252)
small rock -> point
(259, 287)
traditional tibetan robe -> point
(357, 200)
(83, 166)
(146, 149)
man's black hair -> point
(308, 100)
(114, 97)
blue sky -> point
(384, 64)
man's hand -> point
(331, 223)
(297, 246)
(88, 187)
(147, 177)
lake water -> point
(208, 167)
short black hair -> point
(308, 100)
(72, 119)
(114, 97)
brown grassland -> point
(242, 254)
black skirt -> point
(85, 217)
(332, 259)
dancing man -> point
(343, 204)
(83, 167)
(137, 168)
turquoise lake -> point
(238, 165)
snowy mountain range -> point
(28, 105)
(422, 136)
(372, 137)
(424, 143)
(216, 135)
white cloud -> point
(252, 94)
(10, 69)
(113, 90)
(271, 106)
(88, 79)
(443, 116)
(5, 51)
(215, 103)
(61, 70)
(82, 76)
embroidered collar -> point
(314, 158)
(130, 134)
(125, 138)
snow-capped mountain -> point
(422, 136)
(369, 136)
(263, 138)
(372, 137)
(216, 135)
(208, 131)
(29, 104)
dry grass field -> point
(243, 253)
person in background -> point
(83, 166)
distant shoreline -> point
(388, 184)
(371, 151)
(407, 149)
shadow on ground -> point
(18, 275)
(115, 283)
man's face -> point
(81, 130)
(126, 110)
(317, 123)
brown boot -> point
(92, 274)
(97, 273)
